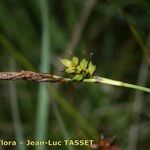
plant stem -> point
(15, 111)
(47, 77)
(43, 95)
(117, 83)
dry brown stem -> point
(31, 76)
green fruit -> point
(91, 68)
(75, 61)
(83, 64)
(70, 70)
(84, 73)
(77, 77)
(66, 62)
(78, 69)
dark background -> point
(34, 34)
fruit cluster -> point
(80, 69)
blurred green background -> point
(34, 34)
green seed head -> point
(80, 70)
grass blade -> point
(15, 112)
(43, 95)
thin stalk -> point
(15, 112)
(98, 79)
(137, 108)
(61, 124)
(78, 29)
(46, 77)
(43, 95)
(137, 36)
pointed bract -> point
(70, 70)
(75, 61)
(83, 64)
(66, 62)
(78, 69)
(91, 68)
(78, 77)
